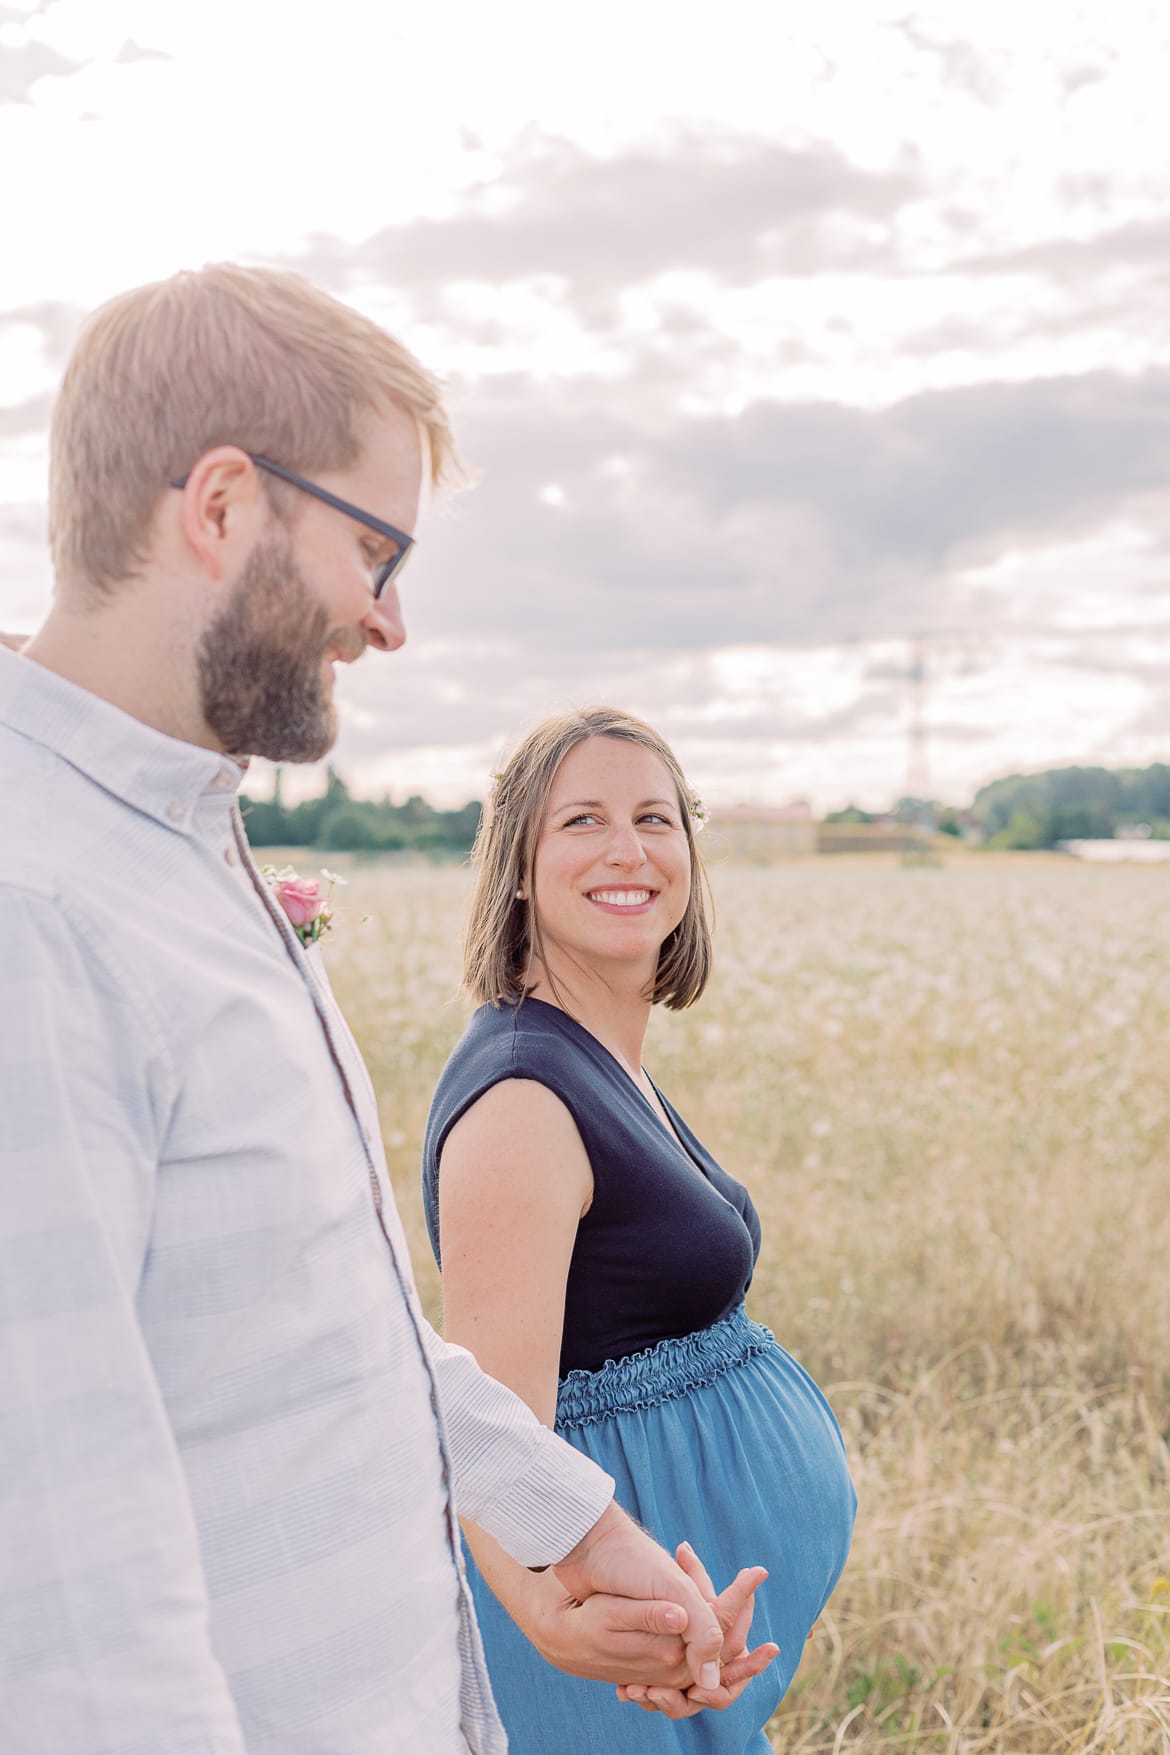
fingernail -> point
(709, 1676)
(687, 1546)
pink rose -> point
(301, 899)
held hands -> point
(738, 1665)
(618, 1559)
(629, 1609)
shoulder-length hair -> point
(503, 932)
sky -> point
(790, 346)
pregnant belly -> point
(724, 1441)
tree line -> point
(1074, 804)
(335, 822)
(1036, 811)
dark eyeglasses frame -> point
(386, 570)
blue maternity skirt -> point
(722, 1440)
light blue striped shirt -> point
(225, 1520)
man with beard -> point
(229, 1437)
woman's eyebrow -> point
(599, 803)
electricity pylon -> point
(919, 846)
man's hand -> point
(738, 1667)
(619, 1559)
(610, 1639)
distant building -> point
(760, 833)
(887, 835)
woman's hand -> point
(738, 1665)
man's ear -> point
(224, 509)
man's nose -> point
(383, 621)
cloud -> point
(1142, 244)
(21, 67)
(23, 525)
(606, 524)
(787, 524)
(31, 416)
(132, 51)
(22, 14)
(1096, 651)
(1152, 722)
(977, 72)
(614, 544)
(58, 325)
(734, 208)
(814, 540)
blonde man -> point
(226, 1514)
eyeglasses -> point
(385, 570)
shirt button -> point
(231, 856)
(177, 812)
(224, 779)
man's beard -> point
(261, 663)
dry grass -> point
(947, 1090)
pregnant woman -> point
(594, 1255)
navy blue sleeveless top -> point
(668, 1245)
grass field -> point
(948, 1091)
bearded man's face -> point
(265, 682)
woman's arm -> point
(515, 1180)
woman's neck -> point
(616, 1014)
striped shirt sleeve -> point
(528, 1488)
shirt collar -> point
(154, 773)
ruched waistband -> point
(661, 1373)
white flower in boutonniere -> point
(309, 912)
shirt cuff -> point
(544, 1513)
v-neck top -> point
(670, 1240)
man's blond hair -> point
(252, 357)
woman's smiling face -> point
(612, 872)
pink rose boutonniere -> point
(309, 912)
